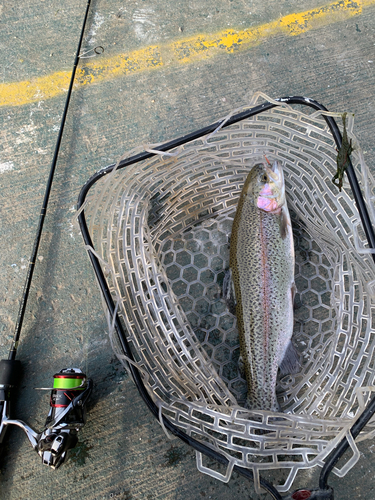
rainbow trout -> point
(262, 272)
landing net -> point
(161, 230)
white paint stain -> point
(6, 166)
(25, 133)
(98, 21)
(42, 151)
(38, 95)
(71, 230)
(143, 23)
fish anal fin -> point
(293, 291)
(241, 367)
(290, 363)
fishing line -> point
(71, 387)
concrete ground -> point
(168, 68)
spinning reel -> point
(66, 416)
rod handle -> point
(10, 376)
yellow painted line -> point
(139, 60)
(45, 87)
(292, 25)
(178, 52)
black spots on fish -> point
(262, 273)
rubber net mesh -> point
(161, 229)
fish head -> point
(265, 187)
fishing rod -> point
(71, 387)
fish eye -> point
(264, 178)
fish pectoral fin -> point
(290, 363)
(284, 223)
(229, 293)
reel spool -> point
(67, 386)
(66, 416)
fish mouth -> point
(276, 174)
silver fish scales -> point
(262, 269)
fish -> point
(261, 270)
